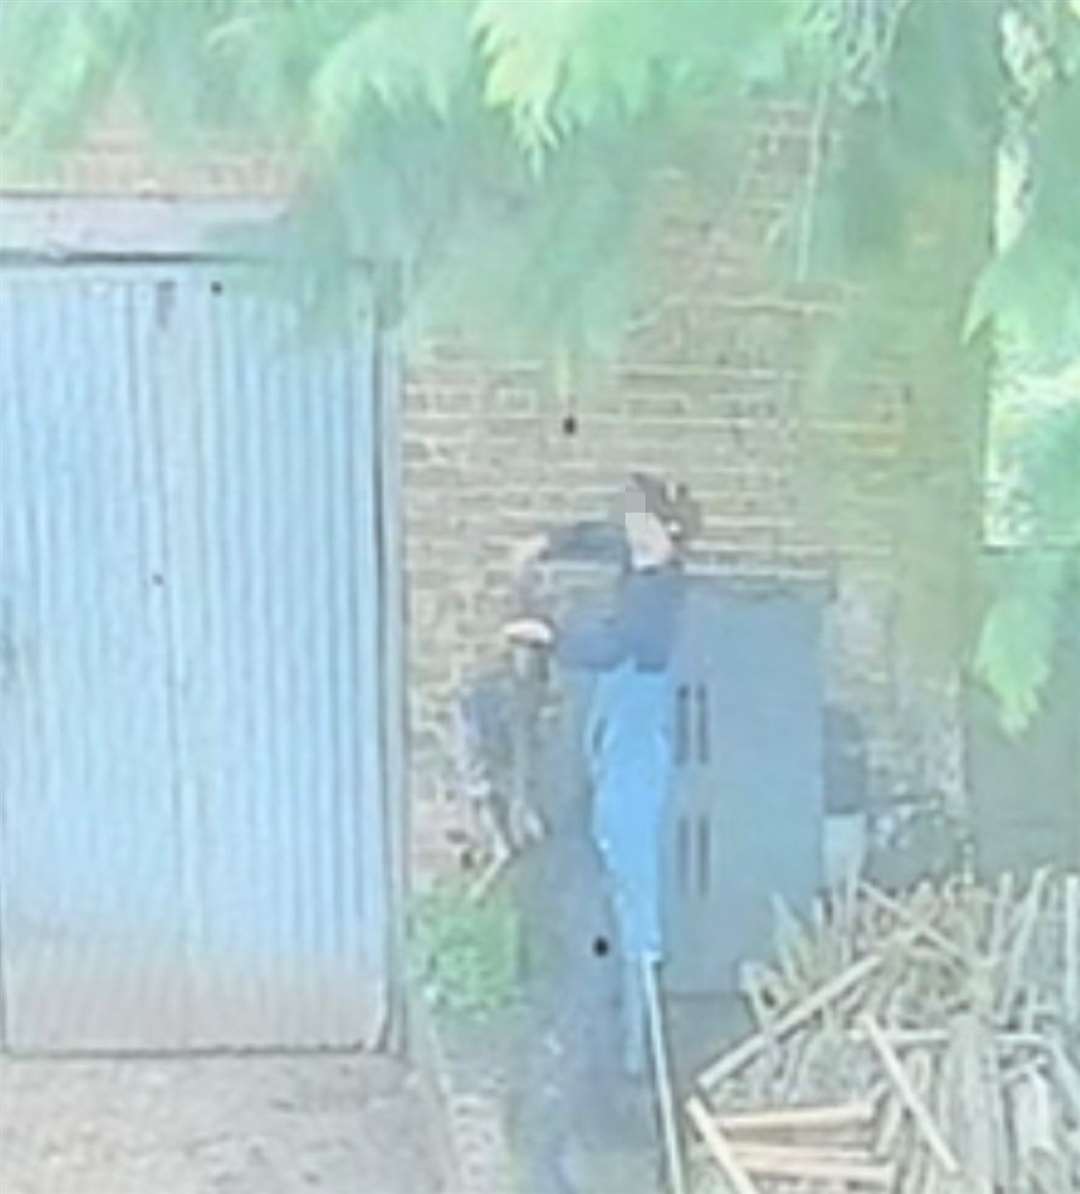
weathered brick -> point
(416, 401)
(462, 401)
(432, 477)
(518, 429)
(502, 401)
(440, 426)
(665, 406)
(709, 391)
(416, 451)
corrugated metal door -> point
(265, 857)
(91, 932)
(273, 599)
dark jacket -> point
(644, 623)
(642, 627)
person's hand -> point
(528, 551)
(529, 632)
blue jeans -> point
(634, 890)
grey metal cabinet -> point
(746, 814)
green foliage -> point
(1016, 647)
(494, 162)
(905, 210)
(1032, 289)
(391, 59)
(465, 954)
(1030, 293)
(1031, 583)
(929, 124)
(55, 63)
(1050, 458)
(564, 67)
(438, 134)
(419, 121)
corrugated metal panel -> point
(266, 668)
(273, 593)
(92, 925)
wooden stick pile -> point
(924, 1044)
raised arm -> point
(594, 642)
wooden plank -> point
(892, 1119)
(719, 1148)
(1003, 902)
(890, 1127)
(910, 1098)
(915, 1165)
(754, 1046)
(1027, 920)
(1068, 1079)
(974, 1115)
(815, 1166)
(919, 1038)
(824, 1117)
(1071, 896)
(909, 918)
(1033, 1119)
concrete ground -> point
(253, 1125)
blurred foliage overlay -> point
(495, 156)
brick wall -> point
(710, 391)
(114, 160)
(488, 463)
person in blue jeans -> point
(628, 731)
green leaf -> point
(56, 63)
(1016, 648)
(1031, 293)
(415, 53)
(564, 65)
(467, 951)
(527, 47)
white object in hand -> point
(529, 631)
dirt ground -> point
(313, 1125)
